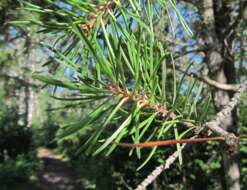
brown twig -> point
(142, 101)
(173, 142)
(92, 17)
(170, 142)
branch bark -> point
(215, 125)
(211, 82)
(157, 171)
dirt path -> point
(56, 173)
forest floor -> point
(56, 174)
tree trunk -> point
(31, 97)
(26, 94)
(220, 64)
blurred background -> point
(30, 155)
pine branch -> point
(104, 8)
(170, 142)
(142, 101)
(213, 125)
(157, 171)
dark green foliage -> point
(19, 173)
(11, 134)
(50, 132)
(18, 162)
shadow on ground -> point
(56, 174)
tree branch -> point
(213, 125)
(142, 101)
(228, 87)
(170, 142)
(157, 171)
(211, 82)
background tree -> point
(20, 101)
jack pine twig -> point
(214, 125)
(92, 17)
(170, 142)
(173, 142)
(142, 101)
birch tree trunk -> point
(26, 93)
(30, 94)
